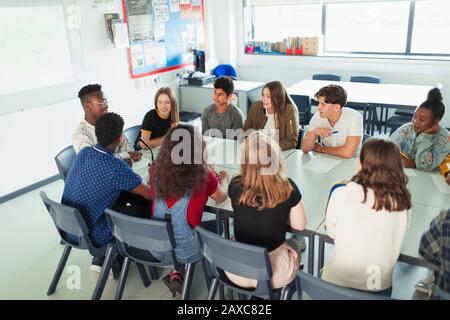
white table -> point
(315, 187)
(196, 98)
(375, 95)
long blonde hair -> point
(264, 184)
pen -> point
(335, 132)
(404, 155)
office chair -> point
(241, 259)
(225, 70)
(325, 76)
(148, 242)
(64, 161)
(319, 289)
(304, 108)
(365, 79)
(132, 135)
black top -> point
(154, 123)
(265, 228)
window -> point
(431, 27)
(273, 23)
(380, 27)
(367, 27)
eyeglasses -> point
(103, 102)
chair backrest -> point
(365, 137)
(304, 108)
(132, 134)
(69, 221)
(319, 289)
(148, 241)
(241, 259)
(64, 161)
(326, 76)
(365, 79)
(225, 70)
(301, 133)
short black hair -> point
(333, 94)
(87, 90)
(108, 128)
(434, 104)
(225, 83)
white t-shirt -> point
(269, 128)
(350, 124)
(367, 243)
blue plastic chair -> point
(69, 221)
(225, 70)
(64, 161)
(132, 135)
(319, 289)
(365, 79)
(325, 76)
(139, 240)
(241, 259)
(304, 108)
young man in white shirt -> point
(340, 129)
(95, 105)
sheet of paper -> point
(410, 172)
(120, 32)
(321, 164)
(440, 183)
(137, 56)
(174, 5)
(162, 14)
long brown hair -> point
(189, 172)
(263, 186)
(174, 113)
(382, 171)
(279, 99)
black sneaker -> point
(97, 264)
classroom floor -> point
(31, 252)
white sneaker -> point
(426, 285)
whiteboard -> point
(41, 57)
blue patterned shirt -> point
(93, 184)
(428, 150)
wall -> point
(29, 140)
(293, 69)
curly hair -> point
(87, 90)
(382, 171)
(434, 104)
(174, 178)
(108, 128)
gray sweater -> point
(232, 118)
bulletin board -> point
(161, 32)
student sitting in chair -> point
(158, 121)
(424, 143)
(339, 128)
(95, 105)
(222, 116)
(368, 218)
(180, 184)
(97, 178)
(276, 114)
(264, 202)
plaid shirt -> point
(435, 247)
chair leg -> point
(206, 272)
(122, 279)
(190, 267)
(154, 274)
(221, 292)
(212, 289)
(110, 256)
(143, 274)
(286, 293)
(59, 270)
(242, 296)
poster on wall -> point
(161, 33)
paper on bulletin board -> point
(162, 14)
(196, 12)
(185, 11)
(137, 56)
(139, 7)
(141, 27)
(160, 31)
(184, 2)
(174, 5)
(159, 2)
